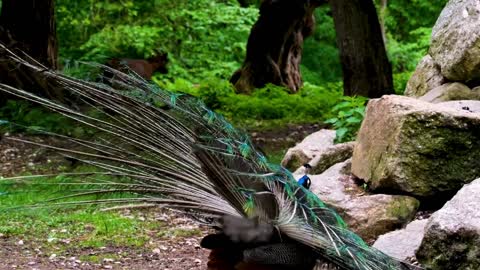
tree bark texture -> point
(366, 69)
(275, 45)
(29, 26)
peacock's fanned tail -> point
(179, 154)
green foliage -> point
(26, 117)
(404, 16)
(206, 41)
(321, 61)
(349, 116)
(405, 55)
(203, 38)
(400, 81)
(271, 104)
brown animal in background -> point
(144, 68)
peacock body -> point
(181, 155)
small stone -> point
(156, 251)
(31, 263)
(107, 267)
(20, 243)
(198, 261)
(52, 257)
(65, 241)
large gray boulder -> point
(416, 147)
(328, 157)
(403, 244)
(450, 91)
(452, 238)
(426, 77)
(366, 214)
(455, 41)
(310, 147)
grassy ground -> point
(85, 237)
(67, 228)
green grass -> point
(66, 228)
(74, 228)
(275, 156)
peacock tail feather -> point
(175, 152)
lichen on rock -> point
(414, 147)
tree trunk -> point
(275, 45)
(366, 69)
(29, 26)
(246, 3)
(383, 11)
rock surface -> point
(329, 157)
(455, 41)
(426, 77)
(450, 91)
(309, 148)
(472, 106)
(418, 148)
(452, 238)
(402, 244)
(367, 215)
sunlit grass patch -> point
(28, 211)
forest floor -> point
(149, 238)
(86, 238)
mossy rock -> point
(427, 76)
(414, 147)
(452, 238)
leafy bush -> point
(270, 105)
(406, 55)
(203, 38)
(20, 115)
(405, 16)
(400, 81)
(321, 60)
(349, 116)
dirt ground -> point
(173, 253)
(182, 253)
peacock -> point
(170, 150)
